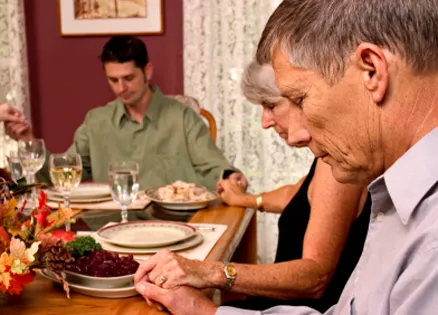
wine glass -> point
(15, 168)
(15, 171)
(123, 181)
(65, 172)
(32, 155)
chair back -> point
(194, 104)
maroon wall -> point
(66, 78)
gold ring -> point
(162, 279)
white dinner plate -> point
(143, 234)
(57, 198)
(193, 241)
(86, 191)
(113, 293)
(152, 194)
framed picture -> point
(110, 17)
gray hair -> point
(321, 34)
(258, 84)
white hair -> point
(258, 84)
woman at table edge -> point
(317, 250)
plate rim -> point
(51, 190)
(77, 274)
(152, 250)
(146, 222)
(80, 201)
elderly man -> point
(167, 139)
(364, 74)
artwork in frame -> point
(110, 17)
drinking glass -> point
(16, 172)
(15, 168)
(66, 173)
(123, 181)
(32, 155)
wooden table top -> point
(42, 297)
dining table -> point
(44, 297)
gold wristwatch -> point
(231, 275)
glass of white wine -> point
(123, 181)
(32, 155)
(65, 173)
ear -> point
(149, 70)
(371, 60)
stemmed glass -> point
(123, 181)
(32, 155)
(65, 173)
(15, 170)
(14, 165)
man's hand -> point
(179, 301)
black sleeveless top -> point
(292, 227)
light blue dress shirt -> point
(397, 273)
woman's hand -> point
(233, 194)
(169, 270)
(9, 113)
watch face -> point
(231, 271)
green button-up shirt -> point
(172, 143)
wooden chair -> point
(194, 104)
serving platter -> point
(112, 293)
(152, 194)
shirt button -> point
(379, 216)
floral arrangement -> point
(30, 240)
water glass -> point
(123, 181)
(14, 166)
(32, 155)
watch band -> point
(230, 275)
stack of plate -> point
(87, 192)
(148, 237)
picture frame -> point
(110, 17)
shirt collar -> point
(151, 114)
(410, 178)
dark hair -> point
(125, 48)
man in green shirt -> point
(167, 139)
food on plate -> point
(101, 263)
(82, 245)
(182, 191)
(92, 260)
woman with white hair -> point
(322, 227)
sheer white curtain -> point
(14, 80)
(220, 37)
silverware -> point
(205, 228)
